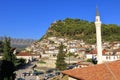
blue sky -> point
(31, 18)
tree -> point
(1, 46)
(7, 64)
(8, 51)
(69, 55)
(82, 29)
(6, 70)
(60, 62)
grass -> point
(42, 62)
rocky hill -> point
(73, 31)
(82, 30)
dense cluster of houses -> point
(50, 48)
(83, 70)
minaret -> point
(98, 37)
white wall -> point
(106, 57)
(70, 78)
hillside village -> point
(73, 42)
(41, 56)
(81, 57)
(47, 50)
(50, 48)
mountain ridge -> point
(19, 43)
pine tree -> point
(7, 64)
(69, 55)
(60, 62)
(1, 46)
(6, 50)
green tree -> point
(60, 62)
(7, 66)
(1, 46)
(82, 29)
(6, 70)
(6, 50)
(69, 56)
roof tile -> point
(105, 71)
(25, 54)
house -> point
(105, 71)
(115, 45)
(117, 51)
(27, 56)
(82, 64)
(107, 56)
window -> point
(106, 57)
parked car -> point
(51, 70)
(37, 73)
(71, 66)
(20, 79)
(57, 73)
(26, 74)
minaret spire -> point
(97, 15)
(97, 11)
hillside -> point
(82, 30)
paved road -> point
(26, 69)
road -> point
(26, 69)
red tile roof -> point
(105, 71)
(95, 51)
(26, 54)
